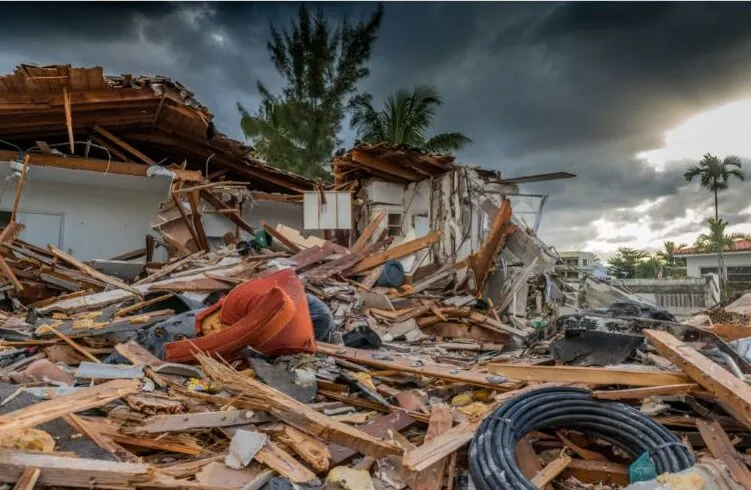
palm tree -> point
(714, 174)
(404, 120)
(668, 253)
(717, 238)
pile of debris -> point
(284, 363)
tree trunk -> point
(720, 258)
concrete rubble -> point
(449, 357)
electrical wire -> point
(492, 460)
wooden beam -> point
(202, 420)
(110, 148)
(526, 457)
(125, 146)
(310, 449)
(587, 375)
(117, 283)
(194, 199)
(19, 187)
(397, 171)
(73, 472)
(403, 364)
(368, 232)
(10, 275)
(188, 222)
(294, 413)
(283, 463)
(551, 471)
(292, 246)
(441, 420)
(481, 263)
(94, 165)
(73, 344)
(722, 448)
(69, 120)
(642, 393)
(77, 401)
(734, 393)
(396, 252)
(28, 479)
(220, 206)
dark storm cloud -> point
(539, 87)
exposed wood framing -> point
(10, 275)
(69, 120)
(482, 262)
(94, 165)
(368, 232)
(731, 391)
(400, 172)
(124, 145)
(194, 200)
(19, 187)
(219, 206)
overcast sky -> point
(625, 95)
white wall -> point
(102, 215)
(273, 213)
(731, 259)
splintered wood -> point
(295, 413)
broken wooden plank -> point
(380, 427)
(203, 420)
(28, 479)
(83, 399)
(125, 146)
(310, 449)
(481, 263)
(587, 375)
(86, 269)
(730, 390)
(10, 275)
(598, 472)
(439, 447)
(235, 217)
(292, 246)
(551, 471)
(71, 343)
(92, 429)
(73, 472)
(722, 448)
(424, 368)
(157, 444)
(142, 304)
(283, 463)
(368, 232)
(19, 188)
(69, 120)
(441, 420)
(396, 252)
(295, 413)
(194, 199)
(642, 393)
(526, 457)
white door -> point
(41, 229)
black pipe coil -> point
(492, 460)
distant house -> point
(576, 265)
(737, 261)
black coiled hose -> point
(492, 461)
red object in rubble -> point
(269, 314)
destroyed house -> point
(103, 153)
(413, 195)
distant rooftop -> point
(742, 245)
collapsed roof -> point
(138, 119)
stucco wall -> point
(102, 215)
(732, 259)
(273, 213)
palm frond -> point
(446, 143)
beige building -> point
(576, 265)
